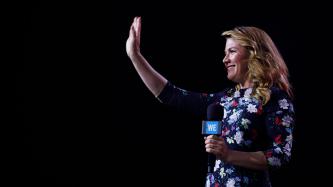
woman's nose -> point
(225, 59)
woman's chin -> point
(230, 77)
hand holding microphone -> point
(217, 146)
(210, 128)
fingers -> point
(138, 31)
(214, 144)
(131, 31)
(213, 138)
(211, 148)
(135, 30)
(136, 24)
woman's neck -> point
(246, 84)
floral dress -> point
(247, 126)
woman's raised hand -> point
(133, 41)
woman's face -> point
(235, 61)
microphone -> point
(212, 126)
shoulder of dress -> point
(278, 93)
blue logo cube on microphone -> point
(211, 127)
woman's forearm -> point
(152, 79)
(252, 160)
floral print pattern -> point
(248, 125)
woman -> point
(258, 114)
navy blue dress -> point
(247, 126)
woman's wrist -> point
(134, 55)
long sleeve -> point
(184, 100)
(280, 121)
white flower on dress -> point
(237, 94)
(222, 173)
(248, 92)
(209, 180)
(231, 183)
(252, 108)
(287, 149)
(230, 140)
(238, 137)
(229, 171)
(245, 123)
(246, 100)
(278, 112)
(225, 113)
(286, 120)
(274, 161)
(291, 107)
(278, 150)
(234, 117)
(283, 103)
(217, 164)
(289, 138)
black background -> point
(88, 120)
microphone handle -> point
(211, 162)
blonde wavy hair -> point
(266, 67)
